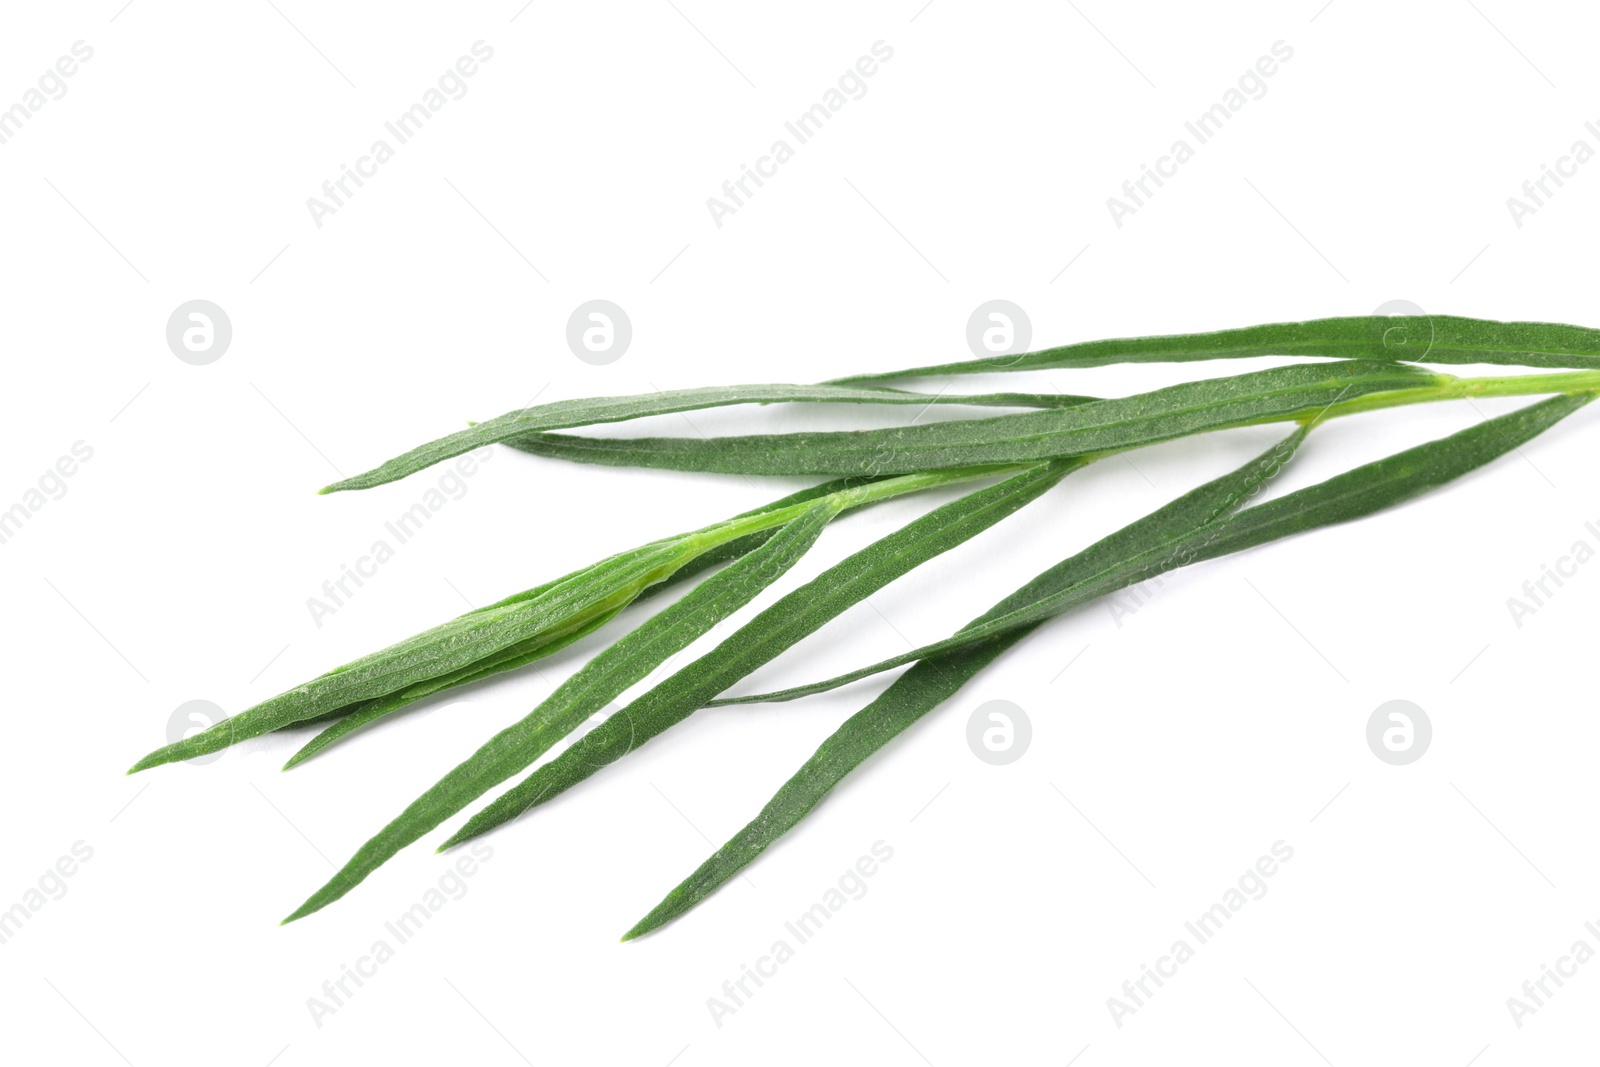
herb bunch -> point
(1008, 460)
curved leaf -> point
(1417, 338)
(621, 665)
(794, 616)
(1279, 394)
(593, 411)
(1367, 489)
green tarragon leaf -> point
(1413, 338)
(1279, 394)
(605, 676)
(593, 411)
(934, 679)
(793, 617)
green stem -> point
(1450, 387)
(855, 496)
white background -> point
(1176, 748)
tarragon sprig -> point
(1372, 363)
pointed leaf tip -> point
(302, 911)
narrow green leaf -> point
(937, 677)
(1386, 482)
(1279, 394)
(528, 618)
(586, 594)
(1282, 394)
(1367, 489)
(640, 652)
(1362, 491)
(1419, 338)
(592, 411)
(359, 715)
(791, 618)
(520, 655)
(1128, 556)
(914, 694)
(1443, 339)
(605, 676)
